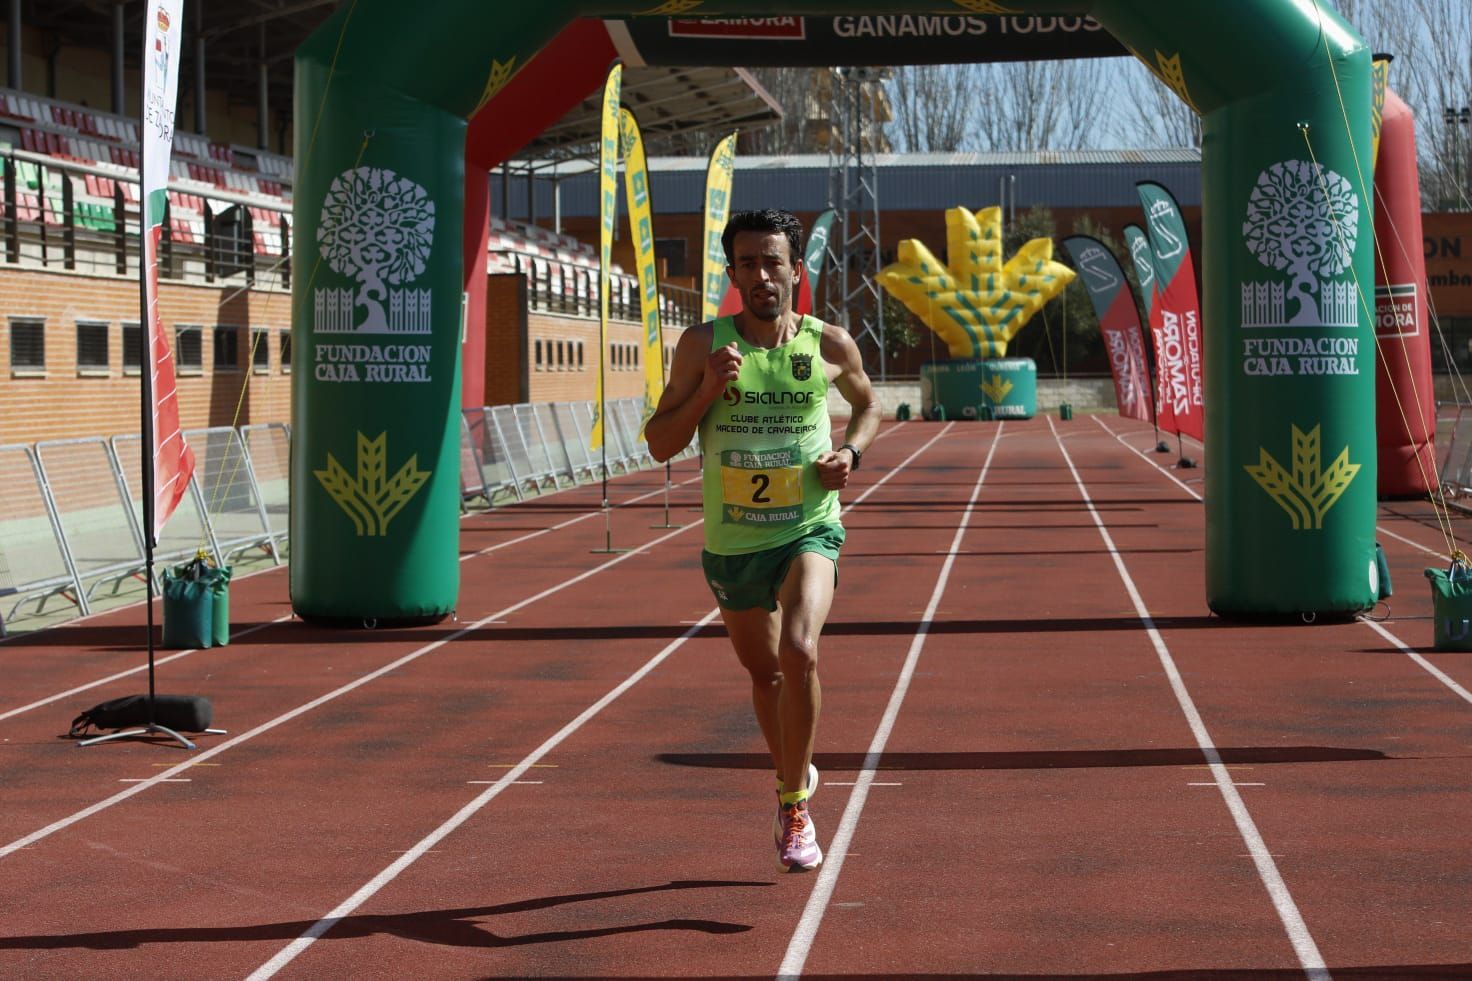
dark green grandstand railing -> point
(42, 208)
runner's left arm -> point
(853, 384)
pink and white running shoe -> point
(777, 820)
(798, 850)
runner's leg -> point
(804, 598)
(754, 634)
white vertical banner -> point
(170, 463)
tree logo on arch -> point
(377, 228)
(1302, 219)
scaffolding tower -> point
(851, 296)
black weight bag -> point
(182, 713)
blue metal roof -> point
(906, 182)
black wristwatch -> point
(855, 451)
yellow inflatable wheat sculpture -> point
(976, 304)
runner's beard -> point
(768, 310)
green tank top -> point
(760, 440)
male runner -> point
(756, 386)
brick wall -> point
(65, 401)
(536, 356)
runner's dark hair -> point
(770, 220)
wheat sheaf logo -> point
(500, 74)
(1307, 493)
(368, 498)
(996, 388)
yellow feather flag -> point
(1379, 81)
(717, 206)
(607, 214)
(641, 227)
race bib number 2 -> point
(761, 487)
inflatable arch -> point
(383, 94)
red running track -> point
(1041, 757)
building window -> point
(260, 351)
(561, 355)
(132, 357)
(672, 251)
(189, 348)
(91, 347)
(538, 359)
(286, 352)
(227, 348)
(580, 355)
(27, 345)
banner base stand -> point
(1162, 447)
(608, 548)
(666, 524)
(152, 729)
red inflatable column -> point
(1405, 411)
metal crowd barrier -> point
(71, 512)
(1456, 457)
(510, 451)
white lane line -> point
(854, 783)
(1239, 783)
(1381, 529)
(1379, 628)
(1144, 457)
(1267, 870)
(1411, 653)
(812, 915)
(289, 953)
(179, 768)
(142, 667)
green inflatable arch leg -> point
(382, 94)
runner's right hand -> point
(722, 366)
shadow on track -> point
(1041, 759)
(1389, 972)
(448, 927)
